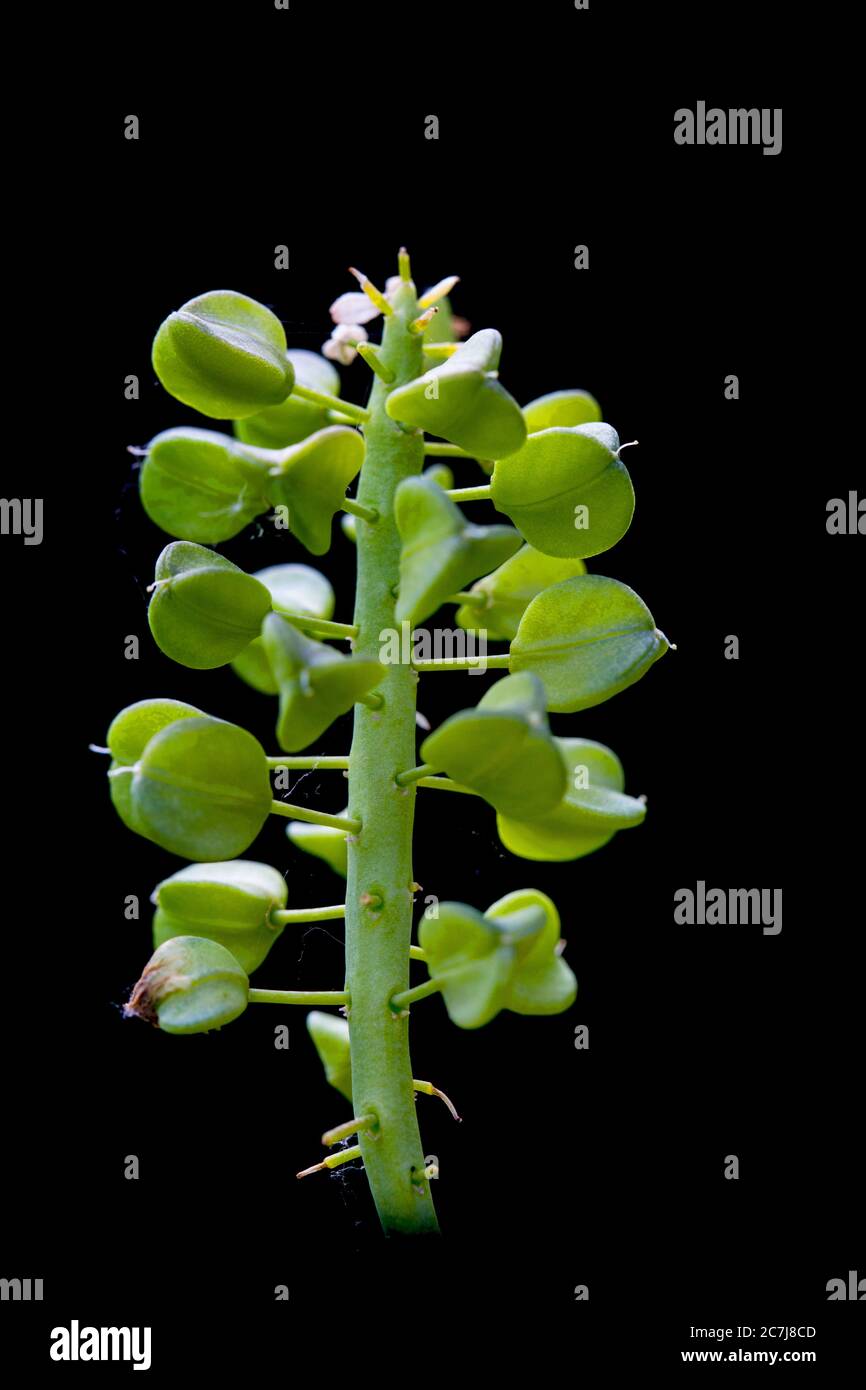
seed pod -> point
(230, 903)
(566, 491)
(316, 683)
(509, 590)
(297, 589)
(331, 1037)
(198, 485)
(201, 789)
(461, 400)
(295, 419)
(127, 738)
(442, 551)
(189, 985)
(590, 813)
(204, 610)
(542, 983)
(323, 841)
(475, 958)
(587, 638)
(224, 355)
(563, 408)
(503, 749)
(310, 480)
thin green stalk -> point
(411, 996)
(282, 916)
(380, 858)
(461, 663)
(286, 808)
(320, 763)
(321, 627)
(313, 998)
(469, 494)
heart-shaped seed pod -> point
(224, 355)
(317, 684)
(199, 485)
(189, 985)
(475, 958)
(563, 408)
(506, 594)
(295, 418)
(331, 1037)
(204, 610)
(310, 480)
(230, 903)
(462, 401)
(296, 589)
(127, 738)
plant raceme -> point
(200, 788)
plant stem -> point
(320, 763)
(411, 996)
(321, 627)
(445, 784)
(311, 997)
(365, 513)
(469, 494)
(467, 596)
(332, 1161)
(282, 916)
(412, 774)
(380, 859)
(344, 1131)
(461, 663)
(285, 808)
(354, 412)
(444, 451)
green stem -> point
(467, 596)
(380, 859)
(344, 1131)
(416, 953)
(354, 412)
(445, 784)
(411, 996)
(321, 627)
(469, 494)
(311, 997)
(282, 916)
(445, 451)
(412, 774)
(332, 1161)
(371, 357)
(285, 808)
(320, 763)
(365, 513)
(461, 663)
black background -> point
(602, 1167)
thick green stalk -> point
(380, 857)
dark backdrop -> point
(602, 1167)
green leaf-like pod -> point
(587, 638)
(542, 982)
(199, 486)
(189, 985)
(297, 589)
(128, 736)
(509, 590)
(566, 491)
(224, 355)
(563, 408)
(475, 958)
(462, 401)
(295, 418)
(503, 749)
(317, 684)
(331, 1037)
(323, 841)
(229, 902)
(204, 610)
(201, 789)
(311, 478)
(592, 810)
(441, 550)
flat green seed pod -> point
(330, 1035)
(229, 902)
(190, 985)
(592, 810)
(295, 418)
(297, 589)
(310, 480)
(204, 611)
(127, 737)
(503, 749)
(317, 684)
(441, 551)
(587, 638)
(563, 408)
(224, 355)
(567, 493)
(197, 485)
(323, 841)
(542, 983)
(462, 402)
(509, 590)
(476, 957)
(201, 789)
